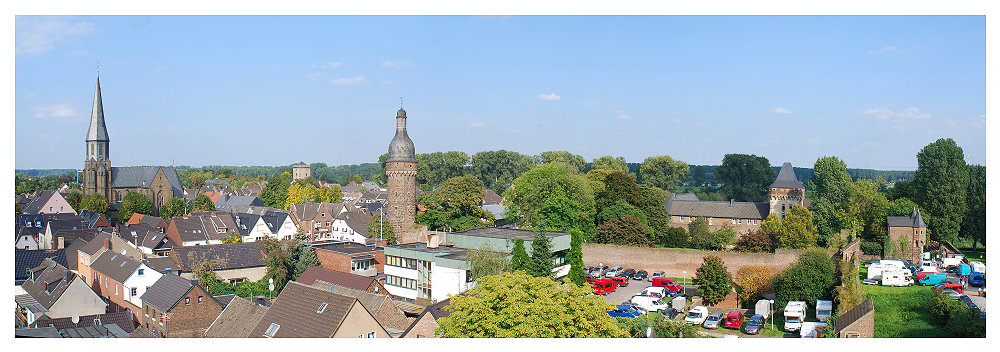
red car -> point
(734, 320)
(591, 279)
(604, 286)
(620, 280)
(667, 283)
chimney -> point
(61, 243)
(732, 203)
(107, 243)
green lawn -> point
(902, 311)
(978, 255)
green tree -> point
(808, 279)
(275, 193)
(541, 262)
(486, 261)
(699, 232)
(306, 258)
(721, 239)
(663, 172)
(714, 282)
(497, 169)
(377, 226)
(797, 229)
(827, 223)
(941, 184)
(95, 202)
(172, 207)
(205, 274)
(203, 203)
(134, 202)
(831, 181)
(745, 177)
(867, 210)
(675, 237)
(626, 230)
(553, 197)
(455, 206)
(519, 256)
(611, 163)
(518, 305)
(74, 198)
(563, 156)
(651, 201)
(974, 222)
(575, 258)
(698, 175)
(848, 294)
(756, 241)
(234, 238)
(435, 168)
(618, 210)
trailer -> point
(678, 303)
(763, 308)
(896, 278)
(824, 309)
(978, 267)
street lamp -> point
(685, 279)
(771, 309)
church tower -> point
(401, 171)
(97, 166)
(786, 191)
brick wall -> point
(423, 328)
(862, 328)
(334, 261)
(742, 225)
(674, 261)
(402, 200)
(915, 238)
(188, 319)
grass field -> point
(903, 312)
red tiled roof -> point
(335, 277)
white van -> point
(824, 309)
(614, 271)
(654, 291)
(649, 303)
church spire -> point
(98, 130)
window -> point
(133, 292)
(370, 335)
(200, 298)
(187, 300)
(709, 221)
(141, 271)
(50, 209)
(401, 282)
(321, 308)
(734, 221)
(271, 330)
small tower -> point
(301, 171)
(97, 165)
(401, 171)
(786, 191)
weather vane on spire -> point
(98, 67)
(400, 102)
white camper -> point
(979, 267)
(896, 278)
(824, 309)
(795, 314)
(678, 303)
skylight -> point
(271, 330)
(322, 307)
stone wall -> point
(675, 261)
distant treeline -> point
(44, 172)
(804, 174)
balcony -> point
(369, 272)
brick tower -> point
(786, 191)
(401, 171)
(97, 165)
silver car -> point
(613, 271)
(713, 320)
(655, 275)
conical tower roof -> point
(786, 178)
(98, 130)
(918, 221)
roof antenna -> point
(400, 102)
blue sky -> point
(260, 90)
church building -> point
(157, 183)
(742, 217)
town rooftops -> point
(221, 256)
(117, 266)
(303, 311)
(679, 205)
(203, 226)
(237, 320)
(345, 247)
(123, 319)
(39, 201)
(25, 259)
(914, 220)
(786, 178)
(854, 314)
(447, 252)
(101, 331)
(315, 273)
(167, 291)
(436, 311)
(69, 235)
(90, 218)
(47, 282)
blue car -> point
(977, 279)
(626, 311)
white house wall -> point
(26, 242)
(140, 283)
(446, 281)
(404, 273)
(78, 299)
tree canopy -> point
(745, 177)
(563, 156)
(663, 172)
(275, 193)
(553, 197)
(714, 282)
(455, 206)
(941, 184)
(380, 226)
(435, 168)
(610, 163)
(575, 258)
(541, 262)
(486, 261)
(519, 305)
(134, 202)
(95, 202)
(498, 168)
(203, 203)
(974, 222)
(172, 207)
(519, 256)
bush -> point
(755, 241)
(871, 248)
(752, 281)
(626, 230)
(959, 319)
(713, 280)
(721, 239)
(675, 237)
(809, 279)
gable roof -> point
(742, 210)
(222, 256)
(314, 273)
(295, 311)
(142, 332)
(490, 197)
(114, 265)
(374, 302)
(28, 222)
(203, 226)
(436, 311)
(142, 177)
(72, 258)
(226, 202)
(70, 236)
(123, 319)
(246, 222)
(25, 259)
(36, 204)
(49, 282)
(160, 264)
(237, 320)
(167, 291)
(115, 244)
(786, 178)
(914, 220)
(357, 221)
(854, 314)
(56, 222)
(90, 218)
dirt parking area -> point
(674, 262)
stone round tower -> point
(401, 171)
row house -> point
(381, 306)
(354, 281)
(237, 320)
(94, 220)
(201, 228)
(154, 221)
(228, 202)
(304, 311)
(122, 280)
(124, 320)
(58, 293)
(26, 259)
(148, 239)
(178, 307)
(27, 229)
(234, 262)
(48, 202)
(253, 227)
(104, 242)
(53, 223)
(427, 322)
(348, 226)
(316, 219)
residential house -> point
(163, 265)
(275, 225)
(234, 262)
(154, 221)
(122, 280)
(499, 214)
(491, 198)
(124, 320)
(358, 282)
(859, 322)
(64, 238)
(103, 242)
(237, 320)
(424, 273)
(201, 228)
(316, 219)
(908, 235)
(28, 229)
(141, 332)
(62, 293)
(178, 307)
(304, 311)
(54, 223)
(48, 202)
(250, 190)
(348, 226)
(148, 239)
(351, 257)
(381, 306)
(427, 321)
(26, 259)
(227, 202)
(93, 220)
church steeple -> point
(97, 135)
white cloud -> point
(346, 81)
(621, 115)
(37, 35)
(54, 111)
(910, 113)
(477, 124)
(549, 97)
(780, 110)
(315, 76)
(886, 50)
(396, 63)
(334, 64)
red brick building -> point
(358, 282)
(178, 307)
(351, 257)
(908, 234)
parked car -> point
(649, 303)
(733, 320)
(626, 310)
(754, 324)
(640, 275)
(951, 293)
(968, 301)
(697, 315)
(949, 286)
(667, 282)
(621, 281)
(604, 286)
(614, 271)
(670, 313)
(655, 291)
(628, 273)
(713, 320)
(655, 275)
(977, 279)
